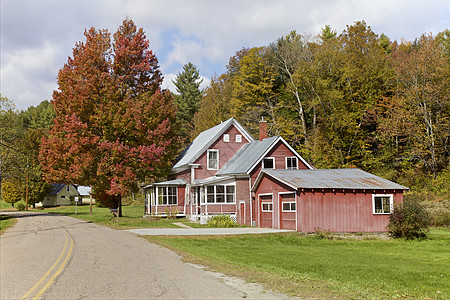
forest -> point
(342, 100)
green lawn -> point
(6, 222)
(132, 216)
(321, 268)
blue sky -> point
(37, 36)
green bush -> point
(409, 219)
(221, 221)
(21, 205)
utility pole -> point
(26, 188)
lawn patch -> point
(6, 222)
(322, 268)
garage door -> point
(288, 211)
(266, 209)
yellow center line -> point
(48, 272)
(60, 269)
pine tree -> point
(189, 95)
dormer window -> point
(268, 163)
(213, 159)
(226, 138)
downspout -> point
(250, 194)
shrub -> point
(221, 221)
(322, 233)
(21, 205)
(409, 219)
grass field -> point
(132, 216)
(306, 266)
(6, 222)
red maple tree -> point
(114, 125)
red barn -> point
(339, 200)
(224, 167)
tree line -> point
(354, 99)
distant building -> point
(85, 194)
(60, 194)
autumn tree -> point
(114, 126)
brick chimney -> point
(262, 130)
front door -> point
(288, 209)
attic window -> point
(291, 163)
(213, 159)
(268, 163)
(238, 138)
(226, 138)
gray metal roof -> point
(247, 157)
(178, 181)
(330, 179)
(84, 190)
(205, 140)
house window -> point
(63, 197)
(238, 138)
(167, 195)
(382, 204)
(226, 138)
(291, 163)
(268, 163)
(68, 188)
(288, 206)
(220, 194)
(267, 206)
(213, 159)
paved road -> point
(57, 257)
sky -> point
(37, 36)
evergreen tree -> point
(189, 95)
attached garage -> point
(339, 200)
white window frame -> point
(391, 203)
(269, 204)
(290, 206)
(207, 159)
(225, 194)
(271, 158)
(296, 163)
(226, 138)
(166, 195)
(238, 138)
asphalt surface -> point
(58, 257)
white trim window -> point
(292, 163)
(288, 206)
(382, 204)
(212, 159)
(268, 163)
(167, 195)
(267, 206)
(220, 194)
(238, 138)
(226, 138)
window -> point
(291, 163)
(382, 204)
(63, 197)
(238, 138)
(167, 195)
(288, 206)
(220, 194)
(68, 189)
(267, 206)
(226, 138)
(268, 163)
(213, 160)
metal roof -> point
(204, 140)
(247, 157)
(56, 187)
(84, 190)
(330, 179)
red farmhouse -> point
(266, 183)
